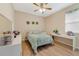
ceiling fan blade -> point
(41, 4)
(35, 4)
(35, 10)
(48, 8)
(46, 3)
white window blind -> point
(72, 22)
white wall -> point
(7, 10)
(22, 18)
(56, 21)
(5, 24)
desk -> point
(73, 38)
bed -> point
(37, 39)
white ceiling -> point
(29, 8)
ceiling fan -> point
(42, 7)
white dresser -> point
(13, 49)
(73, 38)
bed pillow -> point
(34, 32)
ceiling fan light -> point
(42, 10)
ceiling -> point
(29, 8)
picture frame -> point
(28, 22)
(36, 22)
(33, 22)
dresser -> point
(13, 49)
(64, 36)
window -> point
(72, 22)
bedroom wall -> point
(57, 21)
(20, 22)
(5, 24)
(6, 9)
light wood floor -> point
(57, 49)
